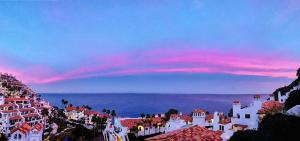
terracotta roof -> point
(198, 111)
(26, 109)
(236, 102)
(9, 111)
(186, 118)
(31, 115)
(91, 113)
(38, 126)
(24, 128)
(224, 120)
(194, 133)
(71, 108)
(269, 105)
(209, 117)
(134, 122)
(15, 99)
(240, 125)
(257, 96)
(15, 118)
(7, 105)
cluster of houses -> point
(82, 114)
(217, 125)
(21, 112)
(200, 125)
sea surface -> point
(131, 105)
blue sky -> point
(162, 46)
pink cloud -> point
(187, 60)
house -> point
(295, 111)
(138, 126)
(25, 132)
(247, 115)
(177, 122)
(74, 113)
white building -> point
(247, 115)
(295, 111)
(177, 122)
(24, 132)
(74, 113)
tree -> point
(3, 137)
(113, 114)
(104, 110)
(64, 102)
(247, 135)
(278, 127)
(298, 72)
(107, 111)
(169, 113)
(45, 112)
(292, 100)
(143, 115)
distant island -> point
(24, 116)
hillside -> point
(12, 87)
(287, 88)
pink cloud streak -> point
(186, 60)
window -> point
(15, 137)
(238, 116)
(247, 115)
(221, 128)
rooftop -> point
(194, 133)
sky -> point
(151, 46)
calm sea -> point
(131, 105)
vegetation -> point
(64, 102)
(3, 137)
(169, 113)
(100, 122)
(277, 127)
(292, 100)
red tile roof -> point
(134, 122)
(223, 119)
(9, 111)
(198, 111)
(91, 113)
(38, 127)
(186, 118)
(270, 105)
(15, 99)
(71, 108)
(240, 125)
(236, 102)
(31, 115)
(209, 117)
(26, 109)
(15, 118)
(7, 105)
(194, 133)
(24, 128)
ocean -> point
(131, 105)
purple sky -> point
(164, 46)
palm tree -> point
(108, 112)
(113, 114)
(64, 102)
(143, 115)
(104, 110)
